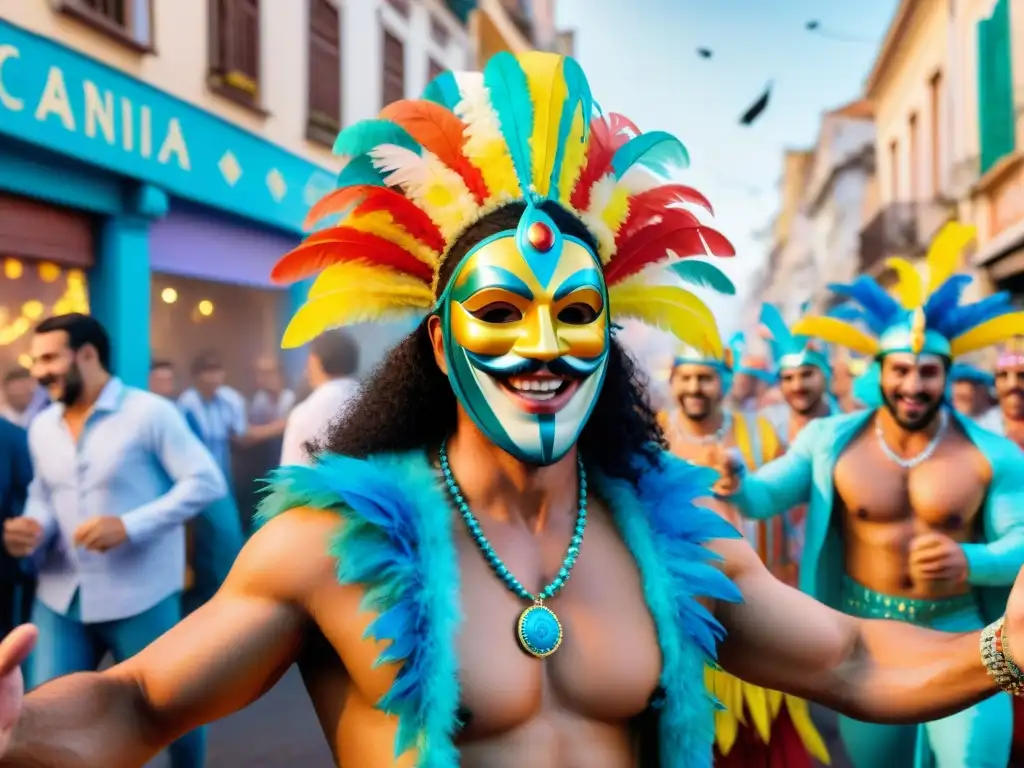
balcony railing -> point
(900, 229)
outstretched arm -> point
(218, 660)
(878, 671)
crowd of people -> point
(506, 555)
(124, 509)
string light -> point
(169, 295)
(205, 308)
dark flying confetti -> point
(755, 110)
(705, 53)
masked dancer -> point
(493, 563)
(929, 516)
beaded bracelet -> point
(1001, 667)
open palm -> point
(13, 651)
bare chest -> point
(944, 492)
(696, 451)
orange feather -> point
(369, 198)
(676, 232)
(339, 244)
(442, 133)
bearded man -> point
(754, 726)
(419, 573)
(915, 513)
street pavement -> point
(281, 731)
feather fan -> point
(643, 213)
(669, 308)
(834, 331)
(958, 320)
(880, 309)
(441, 132)
(485, 144)
(356, 304)
(909, 288)
(340, 244)
(704, 275)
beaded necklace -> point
(538, 630)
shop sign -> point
(1006, 201)
(59, 99)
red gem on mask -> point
(540, 236)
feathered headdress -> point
(524, 130)
(788, 349)
(972, 374)
(924, 315)
(730, 360)
(1012, 353)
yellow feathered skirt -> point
(758, 727)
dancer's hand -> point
(101, 534)
(22, 536)
(936, 557)
(728, 466)
(1014, 621)
(13, 651)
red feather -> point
(339, 244)
(607, 134)
(440, 132)
(653, 204)
(784, 749)
(676, 232)
(371, 198)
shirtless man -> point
(915, 513)
(751, 729)
(502, 446)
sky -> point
(640, 58)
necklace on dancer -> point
(713, 439)
(924, 455)
(538, 630)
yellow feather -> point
(800, 714)
(355, 304)
(617, 209)
(382, 224)
(833, 331)
(574, 157)
(769, 439)
(945, 251)
(741, 436)
(726, 689)
(548, 93)
(996, 330)
(669, 308)
(485, 145)
(909, 288)
(756, 699)
(352, 274)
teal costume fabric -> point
(805, 474)
(395, 539)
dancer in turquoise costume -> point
(803, 374)
(915, 513)
(492, 562)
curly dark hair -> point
(408, 404)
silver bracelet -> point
(1006, 675)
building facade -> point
(997, 99)
(158, 156)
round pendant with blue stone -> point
(539, 631)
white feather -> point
(475, 110)
(600, 196)
(638, 179)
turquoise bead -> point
(492, 558)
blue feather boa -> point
(396, 541)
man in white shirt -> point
(331, 367)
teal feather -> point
(510, 98)
(444, 90)
(656, 151)
(579, 98)
(360, 170)
(703, 275)
(358, 139)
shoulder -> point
(232, 397)
(140, 402)
(45, 422)
(11, 432)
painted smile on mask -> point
(525, 322)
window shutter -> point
(394, 69)
(324, 71)
(995, 87)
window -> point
(235, 50)
(324, 72)
(913, 156)
(439, 32)
(394, 68)
(402, 6)
(128, 21)
(435, 69)
(894, 171)
(935, 93)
